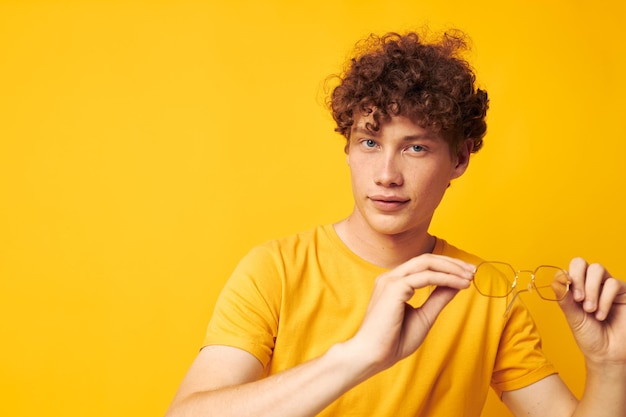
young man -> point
(373, 316)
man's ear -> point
(463, 157)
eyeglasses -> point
(499, 280)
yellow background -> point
(146, 146)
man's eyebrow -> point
(418, 136)
(365, 131)
(421, 136)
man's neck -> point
(387, 251)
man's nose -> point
(389, 170)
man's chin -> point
(390, 229)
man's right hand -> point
(392, 329)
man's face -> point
(399, 175)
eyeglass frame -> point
(530, 287)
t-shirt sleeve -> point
(246, 312)
(520, 360)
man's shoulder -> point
(305, 236)
(320, 236)
(442, 247)
(312, 249)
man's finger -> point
(436, 302)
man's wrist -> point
(606, 371)
(352, 358)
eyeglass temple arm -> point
(515, 295)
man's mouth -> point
(388, 203)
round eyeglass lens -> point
(551, 283)
(494, 279)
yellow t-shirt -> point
(289, 300)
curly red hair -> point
(402, 75)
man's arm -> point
(225, 381)
(547, 397)
(604, 395)
(596, 312)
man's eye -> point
(369, 143)
(415, 150)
